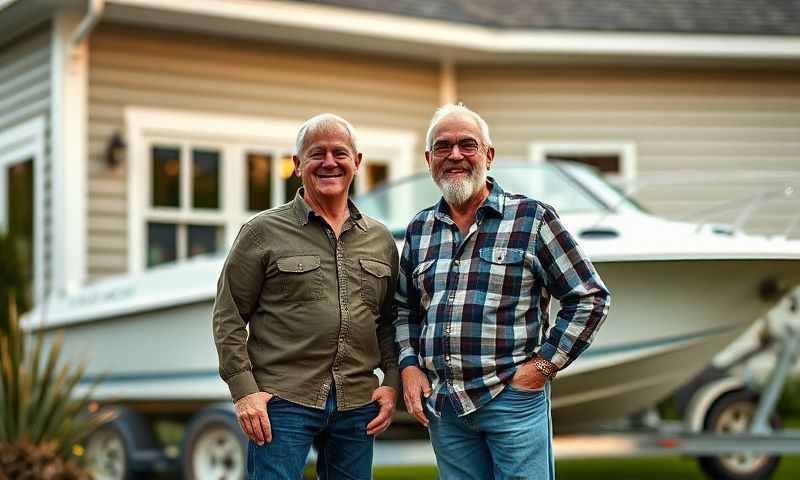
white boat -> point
(681, 293)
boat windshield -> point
(396, 203)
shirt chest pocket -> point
(423, 276)
(300, 278)
(503, 270)
(375, 277)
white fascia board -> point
(478, 39)
(69, 138)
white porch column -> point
(69, 138)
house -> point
(137, 132)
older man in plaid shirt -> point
(472, 326)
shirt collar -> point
(493, 204)
(303, 211)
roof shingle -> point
(754, 17)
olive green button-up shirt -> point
(318, 308)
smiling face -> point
(328, 162)
(458, 159)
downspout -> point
(95, 11)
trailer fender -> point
(703, 399)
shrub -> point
(41, 418)
(26, 461)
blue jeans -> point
(344, 450)
(509, 438)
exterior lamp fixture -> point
(115, 151)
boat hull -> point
(667, 320)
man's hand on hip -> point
(528, 377)
(251, 411)
(415, 385)
(387, 399)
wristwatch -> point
(545, 367)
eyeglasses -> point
(466, 146)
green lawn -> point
(669, 468)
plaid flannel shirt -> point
(472, 308)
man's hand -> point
(251, 411)
(528, 377)
(387, 399)
(415, 384)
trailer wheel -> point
(214, 447)
(110, 448)
(733, 413)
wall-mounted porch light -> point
(115, 151)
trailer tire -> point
(214, 447)
(732, 413)
(110, 449)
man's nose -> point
(329, 160)
(455, 152)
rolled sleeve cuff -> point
(409, 361)
(242, 384)
(554, 355)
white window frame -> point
(235, 135)
(539, 151)
(18, 144)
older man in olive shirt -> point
(314, 280)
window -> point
(184, 216)
(616, 160)
(194, 182)
(21, 198)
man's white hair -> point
(322, 122)
(460, 109)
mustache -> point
(462, 165)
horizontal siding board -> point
(678, 120)
(185, 72)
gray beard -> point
(458, 192)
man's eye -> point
(441, 147)
(468, 145)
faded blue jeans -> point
(509, 438)
(344, 450)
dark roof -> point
(764, 17)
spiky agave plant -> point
(38, 401)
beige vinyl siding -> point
(156, 69)
(689, 120)
(25, 95)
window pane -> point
(204, 239)
(161, 243)
(205, 178)
(259, 183)
(376, 174)
(291, 181)
(166, 176)
(20, 215)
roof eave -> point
(357, 30)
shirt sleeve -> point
(385, 330)
(407, 310)
(570, 277)
(238, 289)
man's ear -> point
(358, 163)
(489, 157)
(428, 159)
(296, 162)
